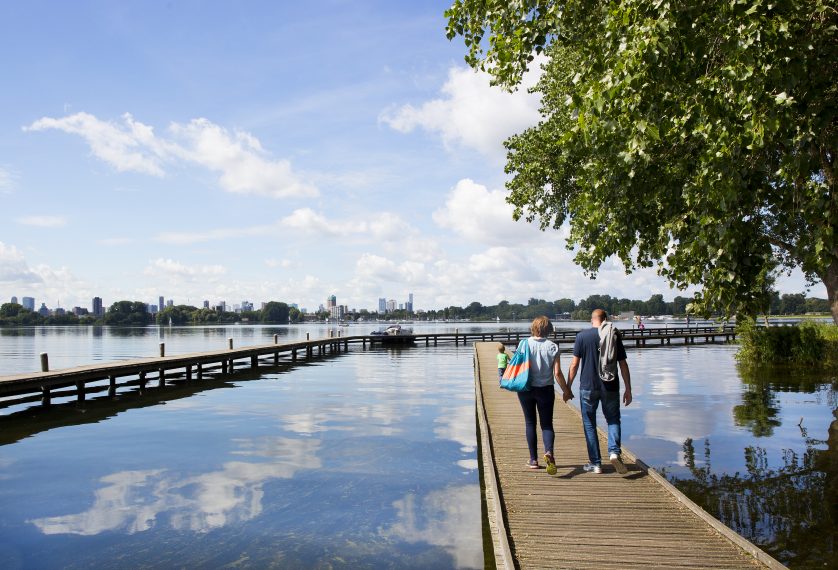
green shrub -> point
(812, 344)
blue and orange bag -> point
(516, 377)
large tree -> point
(698, 137)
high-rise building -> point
(98, 309)
(14, 300)
(206, 304)
(161, 302)
(170, 303)
(409, 304)
(247, 306)
(391, 305)
(382, 305)
(43, 311)
(331, 303)
(28, 303)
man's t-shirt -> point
(586, 347)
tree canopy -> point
(696, 137)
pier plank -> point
(582, 520)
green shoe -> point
(551, 464)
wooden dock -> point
(582, 520)
(80, 381)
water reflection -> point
(135, 501)
(791, 511)
(436, 519)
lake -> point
(368, 458)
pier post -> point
(44, 362)
(276, 339)
(456, 337)
(80, 390)
(162, 349)
(276, 358)
(224, 366)
(161, 378)
(230, 343)
(307, 337)
(45, 396)
(254, 362)
(189, 373)
(293, 355)
(345, 345)
(112, 385)
(200, 371)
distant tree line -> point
(134, 313)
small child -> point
(503, 361)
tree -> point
(275, 312)
(10, 309)
(127, 313)
(697, 137)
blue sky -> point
(264, 151)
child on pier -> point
(503, 361)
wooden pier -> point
(576, 519)
(159, 370)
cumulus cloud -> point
(383, 225)
(170, 268)
(483, 216)
(470, 112)
(43, 221)
(13, 267)
(237, 157)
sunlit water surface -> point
(368, 458)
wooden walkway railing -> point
(576, 519)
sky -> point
(265, 151)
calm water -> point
(368, 458)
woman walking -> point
(545, 368)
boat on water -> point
(393, 334)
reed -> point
(812, 344)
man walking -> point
(598, 382)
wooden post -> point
(345, 345)
(230, 343)
(112, 385)
(276, 339)
(44, 362)
(276, 358)
(45, 396)
(294, 355)
(161, 379)
(80, 390)
(162, 349)
(254, 361)
(200, 371)
(224, 366)
(307, 336)
(456, 337)
(189, 373)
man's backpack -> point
(608, 339)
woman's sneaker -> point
(618, 464)
(551, 463)
(533, 464)
(592, 468)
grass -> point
(809, 343)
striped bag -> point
(516, 378)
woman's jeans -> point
(611, 410)
(539, 399)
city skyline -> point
(308, 150)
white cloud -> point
(43, 221)
(6, 181)
(483, 216)
(471, 113)
(237, 157)
(14, 269)
(380, 226)
(169, 268)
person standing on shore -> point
(599, 350)
(545, 369)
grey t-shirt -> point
(543, 353)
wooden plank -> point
(577, 519)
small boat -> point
(393, 334)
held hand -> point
(567, 395)
(627, 397)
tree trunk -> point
(830, 279)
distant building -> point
(382, 305)
(160, 302)
(391, 305)
(14, 300)
(153, 309)
(98, 309)
(59, 312)
(247, 306)
(170, 303)
(28, 303)
(206, 304)
(43, 311)
(79, 311)
(409, 304)
(331, 303)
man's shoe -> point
(592, 468)
(618, 464)
(551, 463)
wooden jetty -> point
(110, 376)
(582, 520)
